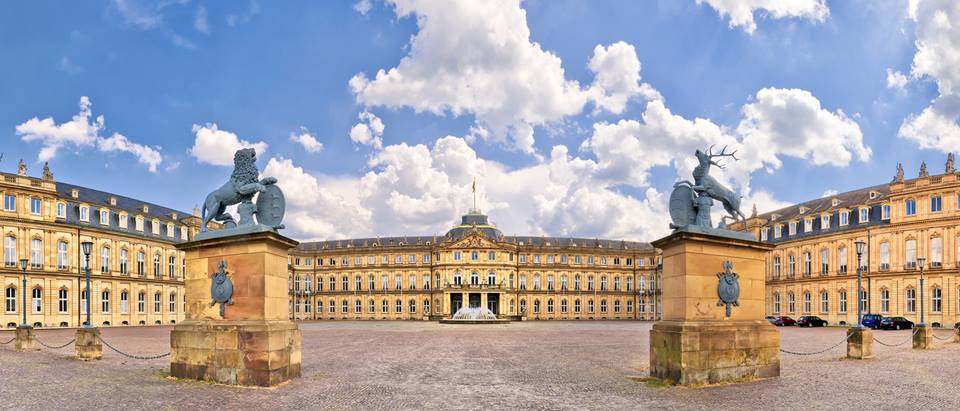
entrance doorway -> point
(474, 300)
(493, 303)
(456, 302)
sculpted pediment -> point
(473, 240)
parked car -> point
(770, 318)
(871, 320)
(811, 321)
(783, 321)
(895, 323)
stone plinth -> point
(956, 335)
(88, 346)
(923, 337)
(26, 339)
(254, 343)
(859, 343)
(696, 343)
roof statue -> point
(244, 184)
(754, 212)
(949, 168)
(899, 177)
(690, 203)
(22, 168)
(923, 169)
(47, 174)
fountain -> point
(474, 315)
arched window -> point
(603, 306)
(83, 302)
(550, 306)
(357, 306)
(807, 263)
(332, 307)
(413, 306)
(563, 306)
(629, 283)
(791, 303)
(426, 306)
(590, 283)
(824, 302)
(105, 301)
(911, 300)
(156, 265)
(344, 283)
(806, 302)
(140, 263)
(523, 306)
(141, 302)
(576, 283)
(10, 251)
(172, 306)
(522, 279)
(474, 278)
(124, 302)
(536, 306)
(371, 306)
(590, 306)
(629, 306)
(343, 307)
(37, 300)
(824, 261)
(616, 283)
(384, 307)
(172, 267)
(63, 301)
(63, 258)
(105, 260)
(399, 306)
(320, 307)
(842, 301)
(371, 283)
(36, 253)
(776, 267)
(156, 302)
(776, 303)
(123, 261)
(536, 282)
(576, 306)
(911, 254)
(491, 278)
(426, 281)
(357, 283)
(603, 283)
(308, 283)
(616, 306)
(457, 279)
(936, 299)
(884, 300)
(641, 283)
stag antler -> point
(723, 153)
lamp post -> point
(23, 267)
(860, 246)
(87, 246)
(920, 263)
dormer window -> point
(138, 223)
(74, 193)
(763, 234)
(183, 233)
(874, 195)
(777, 231)
(803, 210)
(145, 208)
(155, 226)
(61, 210)
(774, 217)
(864, 215)
(808, 225)
(824, 222)
(835, 202)
(113, 201)
(792, 228)
(844, 217)
(104, 217)
(123, 221)
(84, 213)
(170, 231)
(885, 212)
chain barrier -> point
(37, 337)
(948, 338)
(910, 338)
(136, 357)
(9, 341)
(817, 352)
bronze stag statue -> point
(690, 202)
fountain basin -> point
(474, 315)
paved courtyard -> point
(530, 365)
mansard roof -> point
(829, 204)
(130, 205)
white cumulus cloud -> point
(476, 57)
(937, 58)
(363, 6)
(896, 80)
(368, 131)
(307, 141)
(82, 131)
(216, 147)
(741, 12)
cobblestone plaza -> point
(521, 365)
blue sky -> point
(485, 90)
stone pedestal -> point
(254, 343)
(859, 343)
(696, 342)
(923, 337)
(88, 346)
(26, 339)
(956, 335)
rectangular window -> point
(763, 234)
(61, 210)
(885, 212)
(35, 206)
(808, 225)
(426, 258)
(936, 204)
(844, 218)
(884, 256)
(62, 305)
(777, 231)
(398, 259)
(84, 214)
(536, 259)
(911, 207)
(10, 202)
(911, 254)
(936, 252)
(792, 228)
(104, 217)
(456, 256)
(123, 221)
(864, 215)
(824, 222)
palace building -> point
(136, 272)
(908, 226)
(474, 265)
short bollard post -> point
(26, 339)
(88, 344)
(923, 337)
(956, 335)
(859, 343)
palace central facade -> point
(474, 265)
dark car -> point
(871, 320)
(783, 321)
(895, 323)
(811, 321)
(770, 318)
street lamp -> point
(920, 263)
(23, 267)
(861, 247)
(87, 246)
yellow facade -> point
(815, 273)
(41, 221)
(431, 277)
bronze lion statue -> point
(241, 187)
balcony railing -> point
(884, 267)
(911, 265)
(936, 264)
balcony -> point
(884, 267)
(936, 264)
(912, 265)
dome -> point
(474, 220)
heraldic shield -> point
(729, 287)
(221, 288)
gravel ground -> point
(529, 365)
